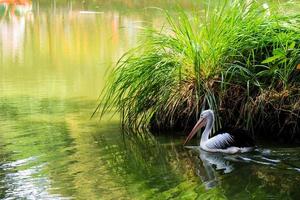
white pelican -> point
(235, 141)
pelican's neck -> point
(208, 128)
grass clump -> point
(239, 59)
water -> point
(53, 60)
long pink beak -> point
(201, 122)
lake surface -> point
(54, 56)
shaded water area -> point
(53, 60)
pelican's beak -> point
(201, 122)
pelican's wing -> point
(220, 141)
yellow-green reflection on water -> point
(61, 52)
(53, 60)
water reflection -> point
(61, 48)
(14, 8)
(25, 185)
(41, 146)
(53, 57)
(50, 149)
(12, 23)
(264, 167)
(210, 162)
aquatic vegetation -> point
(240, 59)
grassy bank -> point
(239, 59)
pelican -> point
(231, 142)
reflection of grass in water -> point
(261, 182)
(149, 170)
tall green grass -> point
(239, 59)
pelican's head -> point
(206, 113)
(201, 122)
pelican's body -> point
(224, 142)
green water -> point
(53, 60)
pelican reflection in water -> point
(209, 164)
(212, 165)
